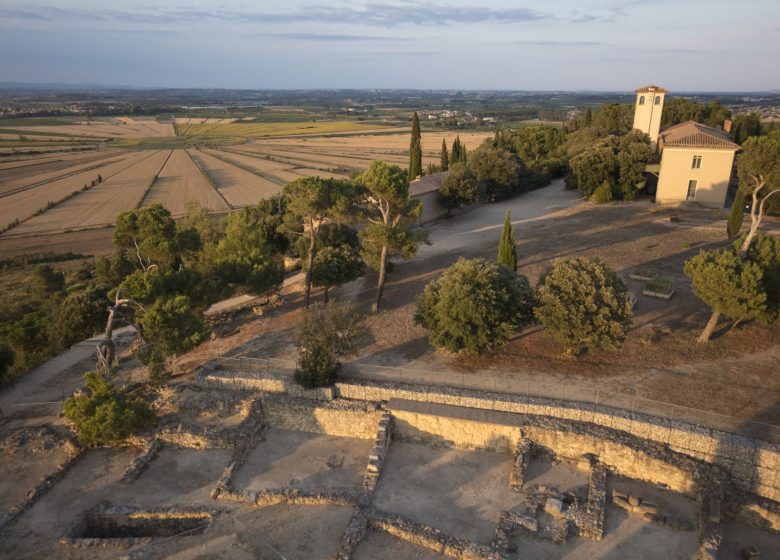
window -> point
(641, 99)
(657, 99)
(691, 190)
(696, 163)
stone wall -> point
(482, 429)
(267, 382)
(337, 418)
(753, 465)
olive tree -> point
(583, 304)
(474, 306)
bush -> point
(325, 334)
(81, 314)
(6, 361)
(475, 305)
(603, 194)
(104, 417)
(584, 305)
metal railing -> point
(507, 384)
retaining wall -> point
(481, 429)
(753, 465)
(336, 418)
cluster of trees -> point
(611, 167)
(742, 282)
(511, 162)
(476, 304)
(680, 109)
(55, 312)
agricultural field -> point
(209, 131)
(121, 127)
(238, 186)
(23, 202)
(46, 194)
(181, 182)
(99, 206)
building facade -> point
(696, 165)
(648, 109)
(696, 160)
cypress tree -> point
(589, 117)
(455, 154)
(507, 252)
(445, 161)
(463, 156)
(415, 150)
(736, 214)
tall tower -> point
(649, 106)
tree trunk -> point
(382, 272)
(710, 328)
(309, 266)
(325, 298)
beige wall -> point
(647, 117)
(432, 208)
(712, 178)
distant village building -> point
(697, 161)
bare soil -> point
(304, 460)
(457, 491)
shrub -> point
(603, 194)
(584, 305)
(326, 333)
(475, 305)
(104, 417)
(659, 284)
(6, 360)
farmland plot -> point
(23, 204)
(111, 128)
(308, 159)
(100, 205)
(180, 182)
(239, 187)
(15, 178)
(273, 171)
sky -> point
(603, 45)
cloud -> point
(379, 14)
(553, 43)
(327, 37)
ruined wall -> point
(336, 418)
(753, 465)
(481, 429)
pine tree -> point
(415, 150)
(445, 161)
(507, 252)
(736, 214)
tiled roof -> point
(427, 183)
(696, 135)
(653, 88)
